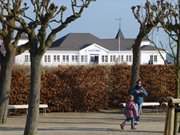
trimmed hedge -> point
(89, 88)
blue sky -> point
(101, 17)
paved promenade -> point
(86, 124)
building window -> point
(58, 58)
(66, 58)
(75, 58)
(104, 58)
(122, 58)
(119, 58)
(130, 58)
(112, 58)
(153, 58)
(94, 59)
(26, 59)
(83, 58)
(55, 58)
(45, 58)
(127, 58)
(49, 58)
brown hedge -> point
(89, 88)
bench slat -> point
(25, 106)
(145, 104)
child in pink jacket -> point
(130, 112)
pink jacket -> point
(131, 110)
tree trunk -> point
(5, 83)
(136, 61)
(34, 97)
(178, 79)
(177, 119)
(178, 70)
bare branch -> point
(173, 36)
(159, 50)
(60, 12)
(136, 10)
(29, 18)
(68, 20)
(72, 5)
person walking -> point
(139, 93)
(130, 112)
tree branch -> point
(68, 20)
(160, 49)
(136, 10)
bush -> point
(89, 88)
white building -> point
(85, 48)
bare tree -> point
(9, 10)
(48, 17)
(148, 17)
(171, 25)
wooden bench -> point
(146, 104)
(25, 106)
(151, 104)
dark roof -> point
(78, 41)
(75, 41)
(150, 47)
(113, 44)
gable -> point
(94, 48)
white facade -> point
(153, 56)
(92, 54)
